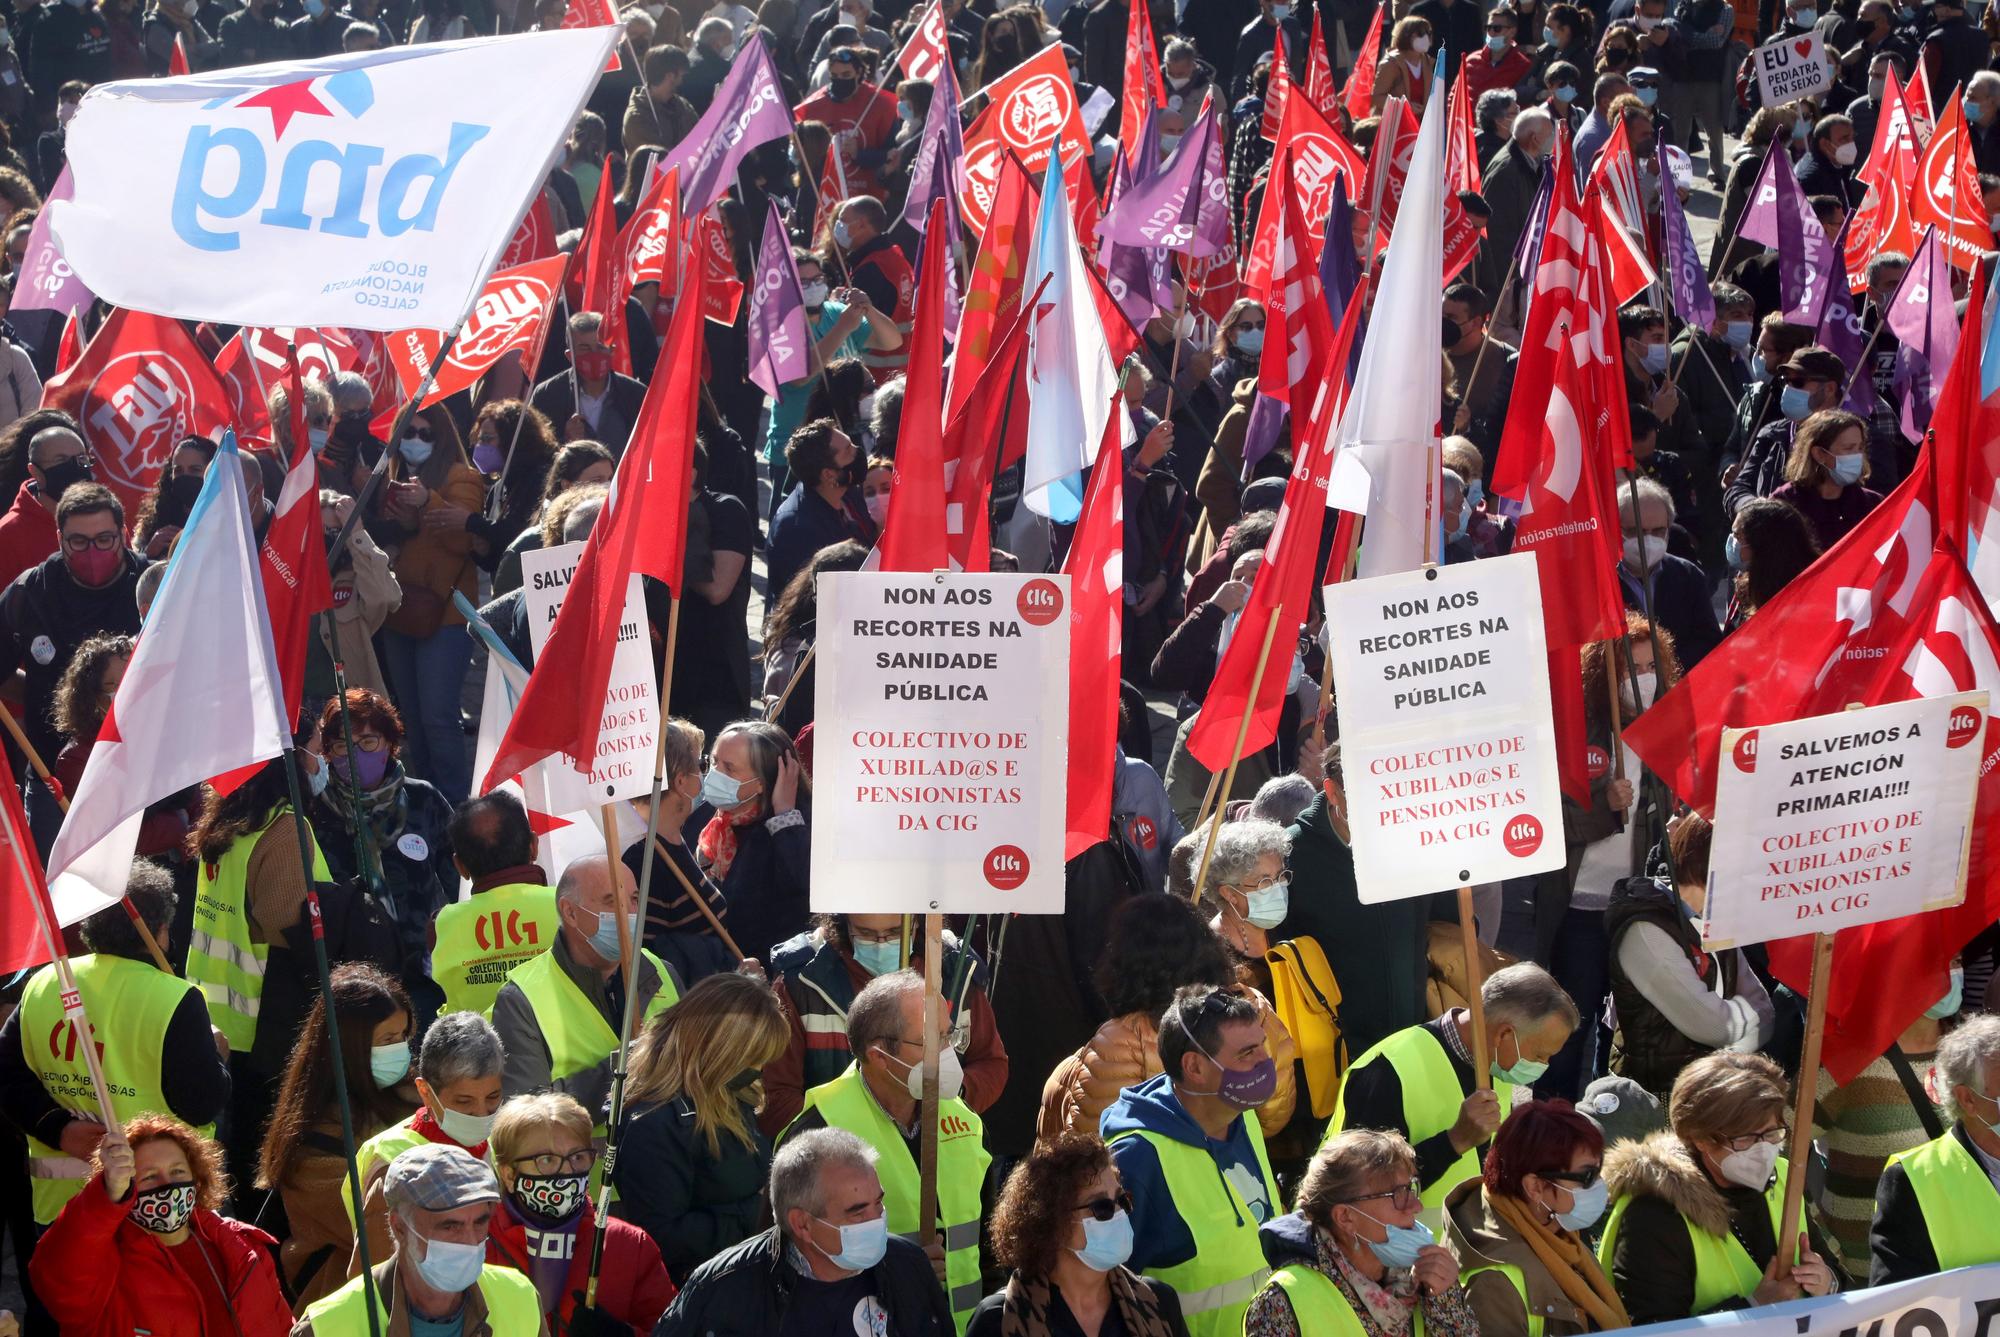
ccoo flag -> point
(373, 191)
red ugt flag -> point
(1096, 566)
(913, 533)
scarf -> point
(423, 1122)
(382, 807)
(717, 843)
(1573, 1266)
(1027, 1308)
(1391, 1302)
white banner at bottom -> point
(1964, 1302)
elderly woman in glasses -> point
(1353, 1257)
(542, 1153)
(1695, 1211)
(1064, 1227)
(1518, 1232)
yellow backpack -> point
(1307, 999)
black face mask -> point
(842, 89)
(182, 490)
(60, 477)
(350, 429)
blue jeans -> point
(427, 676)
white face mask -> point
(468, 1130)
(1420, 45)
(1649, 688)
(1654, 551)
(951, 1076)
(1846, 154)
(1752, 1168)
(814, 295)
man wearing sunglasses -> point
(1420, 1081)
(1194, 1164)
(87, 588)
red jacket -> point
(27, 534)
(632, 1283)
(99, 1273)
(870, 112)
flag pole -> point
(1236, 753)
(50, 783)
(1806, 1093)
(402, 420)
(700, 903)
(630, 949)
(1468, 939)
(819, 202)
(778, 706)
(325, 971)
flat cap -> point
(438, 1178)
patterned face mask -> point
(552, 1197)
(165, 1209)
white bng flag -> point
(373, 191)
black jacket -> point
(1899, 1240)
(44, 616)
(749, 1288)
(692, 1203)
(1679, 603)
(769, 882)
(556, 398)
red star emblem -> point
(285, 101)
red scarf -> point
(717, 843)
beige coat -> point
(365, 592)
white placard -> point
(630, 731)
(1447, 743)
(942, 738)
(1792, 67)
(1963, 1302)
(1843, 819)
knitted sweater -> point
(1863, 1124)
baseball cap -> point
(1623, 1110)
(438, 1178)
(1817, 363)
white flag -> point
(1388, 436)
(203, 657)
(373, 191)
(1071, 377)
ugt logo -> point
(226, 171)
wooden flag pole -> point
(699, 903)
(1804, 1096)
(778, 706)
(41, 769)
(1468, 937)
(928, 1107)
(1207, 797)
(1235, 755)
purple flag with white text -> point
(46, 282)
(943, 138)
(749, 110)
(1842, 334)
(777, 320)
(1185, 205)
(1778, 215)
(1137, 277)
(1687, 277)
(1923, 316)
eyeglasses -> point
(104, 542)
(1583, 1178)
(1103, 1209)
(1774, 1137)
(1283, 879)
(578, 1162)
(367, 742)
(878, 936)
(1403, 1197)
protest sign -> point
(943, 728)
(1964, 1302)
(1447, 741)
(1792, 67)
(1836, 820)
(373, 190)
(624, 764)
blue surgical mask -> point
(1496, 43)
(1647, 96)
(1847, 469)
(1737, 333)
(1566, 92)
(1799, 129)
(317, 777)
(605, 940)
(719, 791)
(1267, 905)
(1973, 109)
(318, 436)
(1404, 1242)
(416, 450)
(841, 236)
(1953, 999)
(389, 1064)
(449, 1267)
(1795, 403)
(1733, 551)
(1805, 18)
(1524, 1072)
(861, 1244)
(1475, 494)
(1106, 1244)
(1653, 357)
(1250, 342)
(1588, 1205)
(879, 958)
(1548, 36)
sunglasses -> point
(1103, 1209)
(1583, 1178)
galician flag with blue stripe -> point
(1071, 375)
(204, 658)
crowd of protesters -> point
(1252, 1105)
